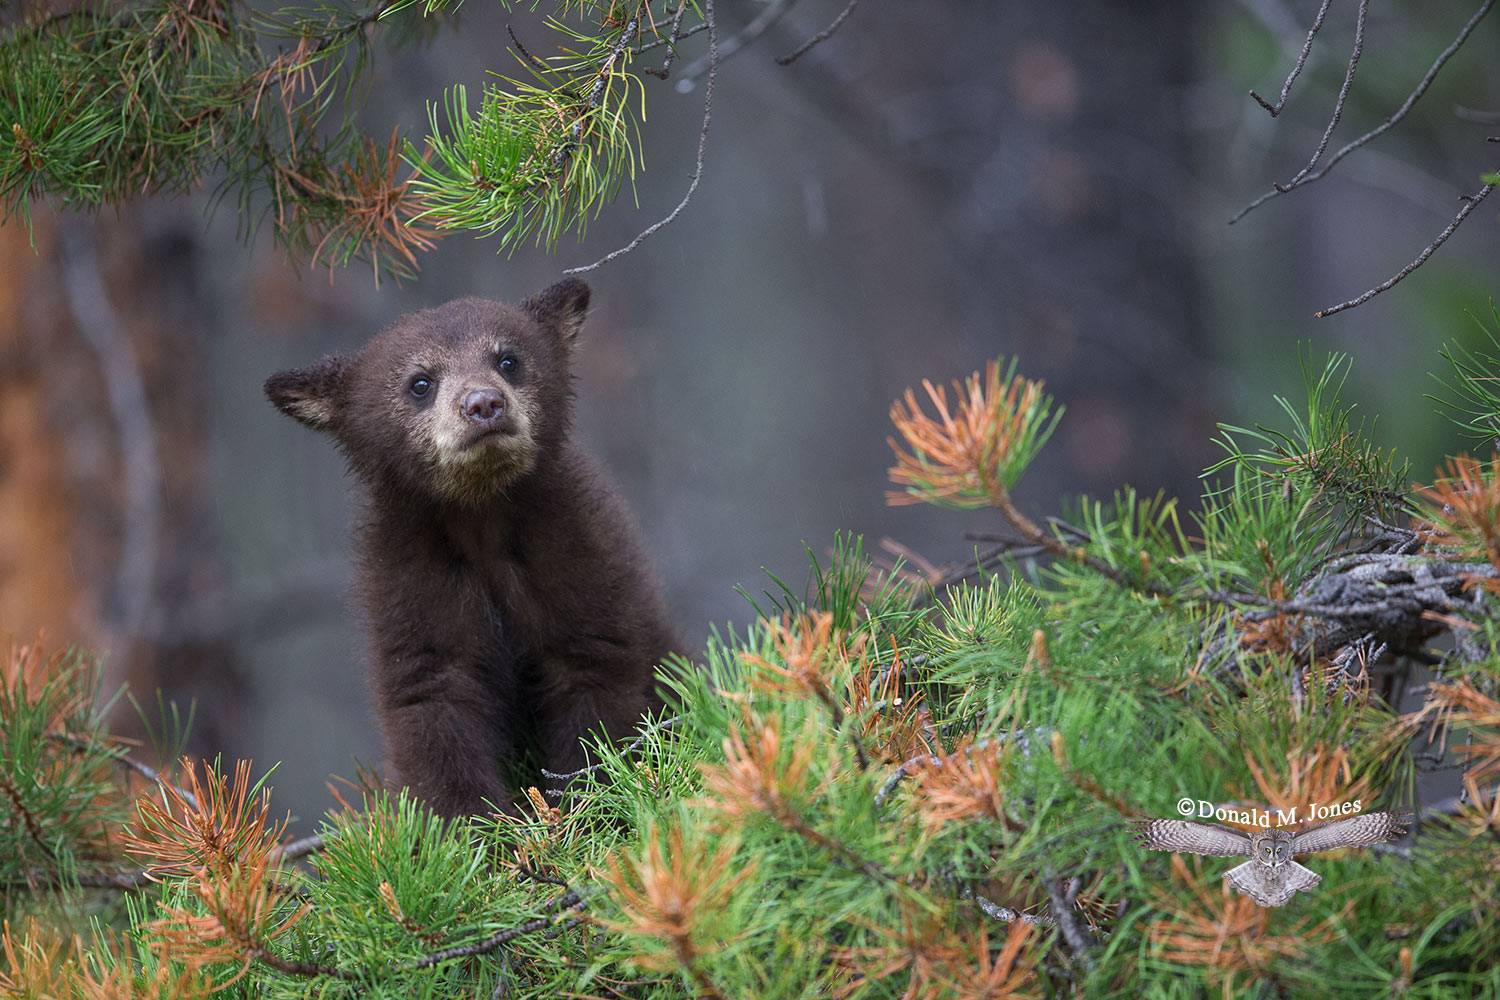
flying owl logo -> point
(1271, 877)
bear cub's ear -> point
(561, 307)
(311, 395)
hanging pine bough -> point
(896, 783)
(102, 104)
(105, 103)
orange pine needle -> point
(1305, 776)
(1463, 509)
(966, 454)
(1461, 704)
(754, 778)
(963, 785)
(1224, 932)
(666, 893)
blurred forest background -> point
(938, 184)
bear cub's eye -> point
(419, 386)
(509, 365)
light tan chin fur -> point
(481, 473)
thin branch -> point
(124, 760)
(122, 881)
(1286, 88)
(1391, 122)
(1343, 97)
(1470, 203)
(995, 911)
(290, 967)
(1060, 549)
(820, 37)
(629, 747)
(1060, 900)
(129, 881)
(525, 52)
(568, 902)
(28, 818)
(296, 850)
(658, 43)
(734, 43)
(672, 38)
(708, 109)
(601, 80)
(903, 772)
(795, 822)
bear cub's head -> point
(456, 402)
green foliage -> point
(103, 104)
(1324, 464)
(881, 791)
(1472, 399)
(54, 766)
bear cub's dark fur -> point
(509, 601)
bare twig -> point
(758, 26)
(658, 43)
(1286, 88)
(296, 850)
(672, 38)
(820, 37)
(1307, 177)
(1338, 104)
(124, 760)
(1060, 898)
(995, 911)
(525, 52)
(1470, 203)
(568, 902)
(708, 109)
(629, 748)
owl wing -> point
(1356, 831)
(1271, 886)
(1181, 837)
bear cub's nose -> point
(483, 406)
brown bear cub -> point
(510, 603)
